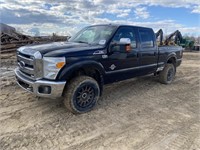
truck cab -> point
(101, 54)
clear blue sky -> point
(64, 17)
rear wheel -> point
(81, 94)
(167, 75)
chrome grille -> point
(26, 60)
(30, 62)
(26, 64)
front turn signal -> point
(59, 65)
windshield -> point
(94, 35)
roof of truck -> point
(119, 25)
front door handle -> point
(137, 55)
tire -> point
(167, 75)
(81, 95)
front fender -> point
(67, 71)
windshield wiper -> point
(82, 42)
(87, 43)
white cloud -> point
(66, 17)
(122, 15)
(141, 12)
(45, 29)
(196, 9)
(168, 27)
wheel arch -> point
(171, 59)
(89, 68)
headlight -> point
(52, 65)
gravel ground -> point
(137, 114)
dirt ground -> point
(137, 114)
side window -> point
(147, 40)
(125, 32)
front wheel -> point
(167, 75)
(81, 94)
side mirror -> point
(125, 41)
(123, 46)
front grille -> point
(26, 64)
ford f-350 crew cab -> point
(97, 55)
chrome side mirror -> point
(125, 41)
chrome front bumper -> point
(34, 86)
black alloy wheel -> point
(84, 96)
(81, 94)
(166, 76)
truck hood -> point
(57, 49)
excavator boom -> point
(174, 38)
(178, 37)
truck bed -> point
(167, 51)
(171, 48)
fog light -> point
(44, 89)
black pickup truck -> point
(97, 55)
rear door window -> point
(147, 39)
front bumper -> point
(55, 89)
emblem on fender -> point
(112, 67)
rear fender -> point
(171, 55)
